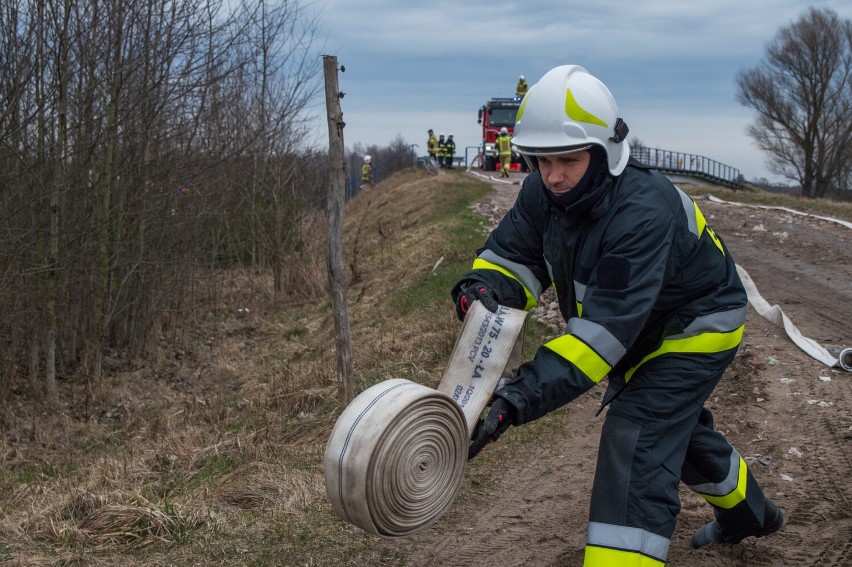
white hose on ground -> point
(775, 315)
(847, 224)
(845, 359)
(397, 454)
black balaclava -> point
(597, 161)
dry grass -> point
(208, 450)
(270, 486)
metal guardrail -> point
(694, 165)
(476, 151)
(666, 161)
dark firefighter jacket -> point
(450, 147)
(637, 272)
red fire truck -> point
(494, 115)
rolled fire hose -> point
(396, 457)
(775, 315)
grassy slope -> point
(217, 459)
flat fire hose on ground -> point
(775, 315)
(396, 457)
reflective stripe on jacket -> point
(637, 272)
(504, 145)
(432, 144)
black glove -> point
(471, 292)
(500, 417)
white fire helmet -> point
(504, 131)
(569, 110)
(367, 159)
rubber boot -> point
(712, 532)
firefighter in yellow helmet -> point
(503, 145)
(653, 304)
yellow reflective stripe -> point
(703, 343)
(480, 264)
(735, 496)
(579, 309)
(701, 223)
(576, 112)
(581, 355)
(606, 557)
(521, 109)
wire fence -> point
(401, 159)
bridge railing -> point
(669, 161)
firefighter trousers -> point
(658, 433)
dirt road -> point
(787, 414)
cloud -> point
(671, 65)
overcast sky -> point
(671, 66)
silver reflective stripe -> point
(629, 539)
(524, 275)
(579, 291)
(594, 335)
(689, 209)
(549, 269)
(722, 322)
(727, 485)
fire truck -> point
(494, 115)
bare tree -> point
(130, 135)
(802, 93)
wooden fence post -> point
(334, 213)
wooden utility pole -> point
(334, 214)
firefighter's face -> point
(562, 172)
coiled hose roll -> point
(396, 457)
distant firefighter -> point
(367, 172)
(522, 87)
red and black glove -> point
(501, 415)
(474, 291)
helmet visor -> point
(552, 151)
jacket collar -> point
(593, 204)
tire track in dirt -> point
(816, 496)
(802, 264)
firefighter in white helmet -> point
(503, 146)
(449, 151)
(367, 172)
(522, 86)
(653, 303)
